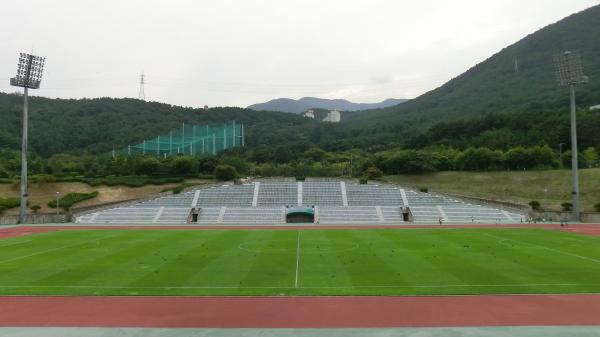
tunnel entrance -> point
(300, 215)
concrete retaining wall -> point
(587, 217)
(34, 219)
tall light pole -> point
(57, 203)
(569, 72)
(29, 76)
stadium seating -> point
(265, 202)
(322, 193)
(374, 195)
(278, 194)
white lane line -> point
(297, 259)
(543, 247)
(15, 243)
(50, 250)
(311, 287)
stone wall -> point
(34, 219)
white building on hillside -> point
(309, 114)
(333, 116)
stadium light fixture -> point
(29, 76)
(569, 73)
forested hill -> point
(96, 125)
(493, 86)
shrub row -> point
(7, 203)
(71, 199)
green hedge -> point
(71, 199)
(129, 181)
(7, 203)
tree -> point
(567, 206)
(208, 164)
(591, 156)
(184, 166)
(225, 172)
(480, 159)
(373, 173)
(147, 166)
(518, 158)
(535, 205)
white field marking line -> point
(297, 259)
(50, 250)
(15, 243)
(544, 247)
(437, 286)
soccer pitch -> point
(299, 262)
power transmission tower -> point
(142, 94)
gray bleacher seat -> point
(232, 204)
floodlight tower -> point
(29, 76)
(569, 72)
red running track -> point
(300, 312)
(588, 229)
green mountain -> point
(98, 125)
(494, 87)
(306, 103)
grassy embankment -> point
(44, 192)
(519, 187)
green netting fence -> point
(191, 140)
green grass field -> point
(300, 262)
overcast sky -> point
(236, 53)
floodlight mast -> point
(569, 72)
(29, 76)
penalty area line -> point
(501, 241)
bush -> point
(480, 159)
(225, 172)
(35, 208)
(535, 205)
(208, 165)
(129, 181)
(597, 207)
(184, 166)
(71, 199)
(363, 180)
(42, 178)
(424, 189)
(8, 203)
(179, 188)
(373, 173)
(567, 206)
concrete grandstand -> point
(330, 202)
